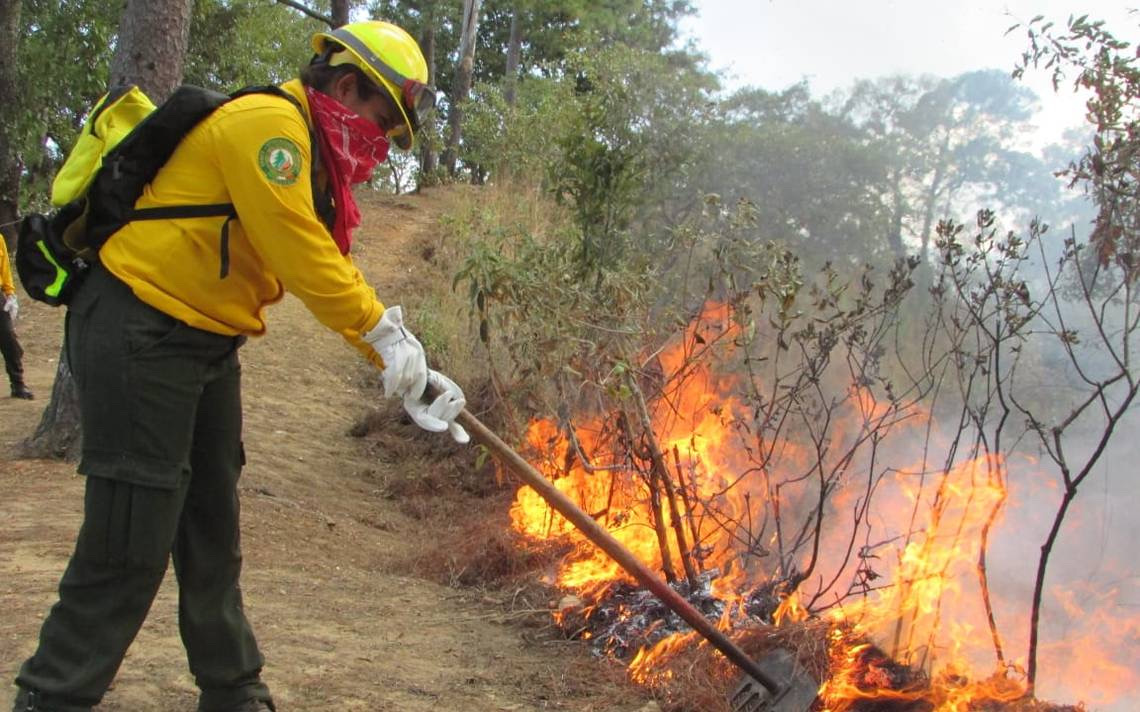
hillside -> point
(344, 616)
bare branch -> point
(308, 11)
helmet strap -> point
(325, 56)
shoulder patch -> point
(280, 161)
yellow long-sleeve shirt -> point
(6, 284)
(252, 152)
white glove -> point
(12, 306)
(406, 376)
(440, 413)
(405, 366)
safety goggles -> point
(418, 99)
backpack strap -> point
(213, 210)
(322, 201)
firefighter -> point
(153, 337)
(9, 344)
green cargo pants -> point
(160, 404)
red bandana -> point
(351, 146)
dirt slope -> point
(343, 622)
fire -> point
(606, 489)
(864, 673)
(790, 610)
(926, 615)
(646, 667)
(916, 585)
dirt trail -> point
(341, 627)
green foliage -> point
(63, 60)
(937, 140)
(513, 140)
(236, 43)
(624, 150)
(865, 176)
(550, 32)
(603, 163)
(1103, 66)
(813, 178)
(551, 36)
(433, 331)
(543, 330)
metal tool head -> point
(796, 694)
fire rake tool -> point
(776, 683)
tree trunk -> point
(894, 232)
(9, 103)
(339, 13)
(931, 195)
(151, 51)
(514, 53)
(58, 436)
(428, 155)
(462, 86)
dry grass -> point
(461, 498)
(456, 490)
(697, 677)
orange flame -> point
(790, 610)
(916, 582)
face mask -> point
(350, 148)
(357, 145)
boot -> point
(19, 390)
(29, 701)
(252, 705)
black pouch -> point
(50, 271)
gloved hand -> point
(406, 376)
(405, 366)
(12, 306)
(439, 414)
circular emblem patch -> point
(280, 161)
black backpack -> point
(54, 251)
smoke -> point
(931, 505)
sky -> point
(773, 44)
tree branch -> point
(308, 11)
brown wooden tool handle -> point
(615, 549)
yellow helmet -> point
(390, 57)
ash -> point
(630, 618)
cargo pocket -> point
(127, 526)
(139, 390)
